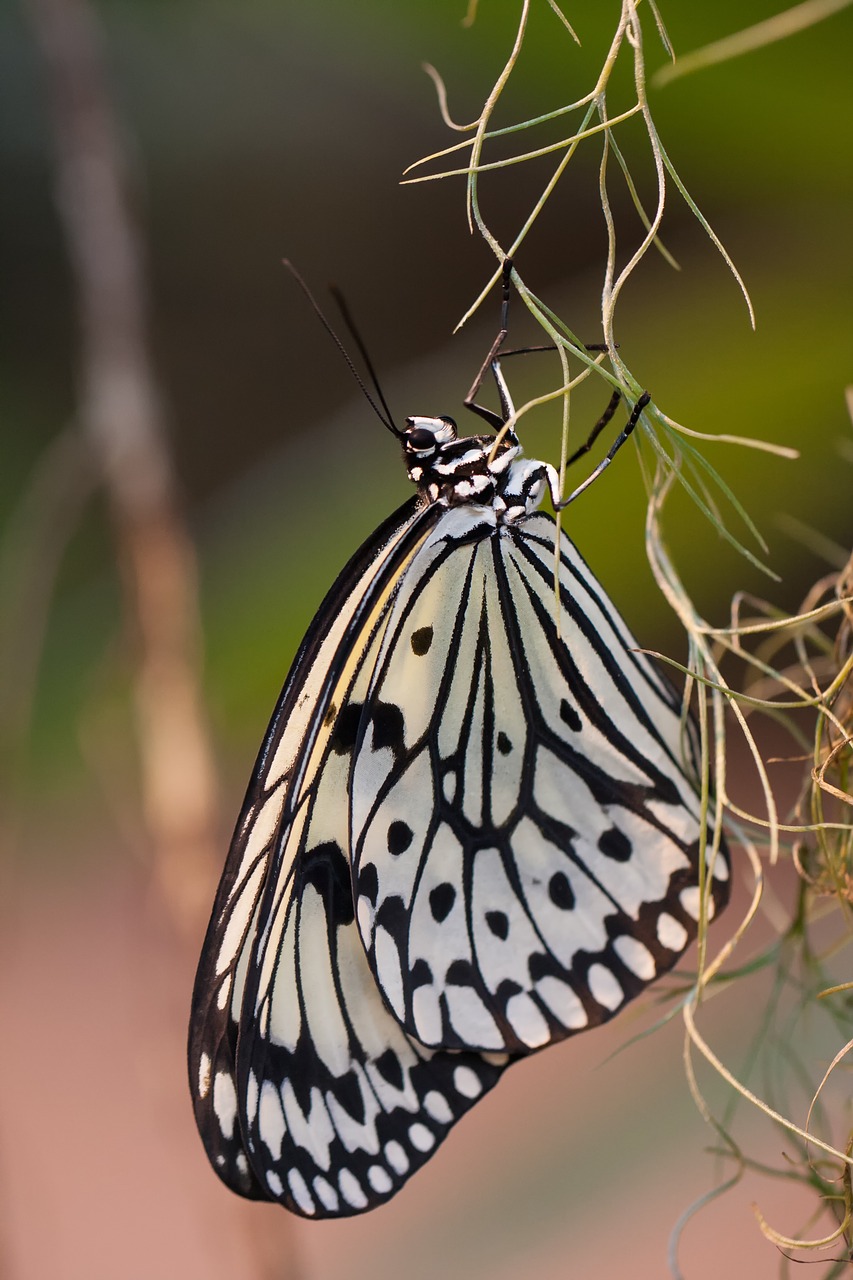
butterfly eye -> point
(420, 440)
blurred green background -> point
(258, 130)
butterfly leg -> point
(597, 429)
(615, 447)
(496, 421)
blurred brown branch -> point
(121, 424)
(121, 416)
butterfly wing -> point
(305, 1088)
(341, 1106)
(525, 837)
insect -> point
(469, 834)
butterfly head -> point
(454, 470)
(424, 438)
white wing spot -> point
(354, 1135)
(225, 1102)
(426, 1012)
(271, 1119)
(448, 786)
(299, 1191)
(275, 1183)
(365, 917)
(527, 1021)
(471, 1019)
(721, 867)
(351, 1189)
(242, 1163)
(636, 956)
(467, 1082)
(388, 969)
(251, 1097)
(223, 995)
(671, 932)
(203, 1075)
(326, 1194)
(605, 987)
(690, 901)
(396, 1157)
(379, 1179)
(436, 1106)
(314, 1131)
(563, 1002)
(420, 1137)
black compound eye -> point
(420, 439)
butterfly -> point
(472, 831)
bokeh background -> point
(258, 130)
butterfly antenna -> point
(385, 418)
(359, 342)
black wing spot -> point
(326, 869)
(421, 974)
(543, 965)
(666, 790)
(461, 974)
(399, 837)
(560, 891)
(504, 744)
(387, 721)
(569, 716)
(498, 922)
(392, 916)
(368, 883)
(421, 641)
(506, 990)
(616, 845)
(349, 1095)
(390, 1068)
(329, 717)
(441, 900)
(346, 729)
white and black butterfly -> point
(469, 834)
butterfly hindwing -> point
(525, 838)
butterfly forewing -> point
(306, 1088)
(525, 838)
(254, 858)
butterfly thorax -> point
(483, 471)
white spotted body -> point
(469, 834)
